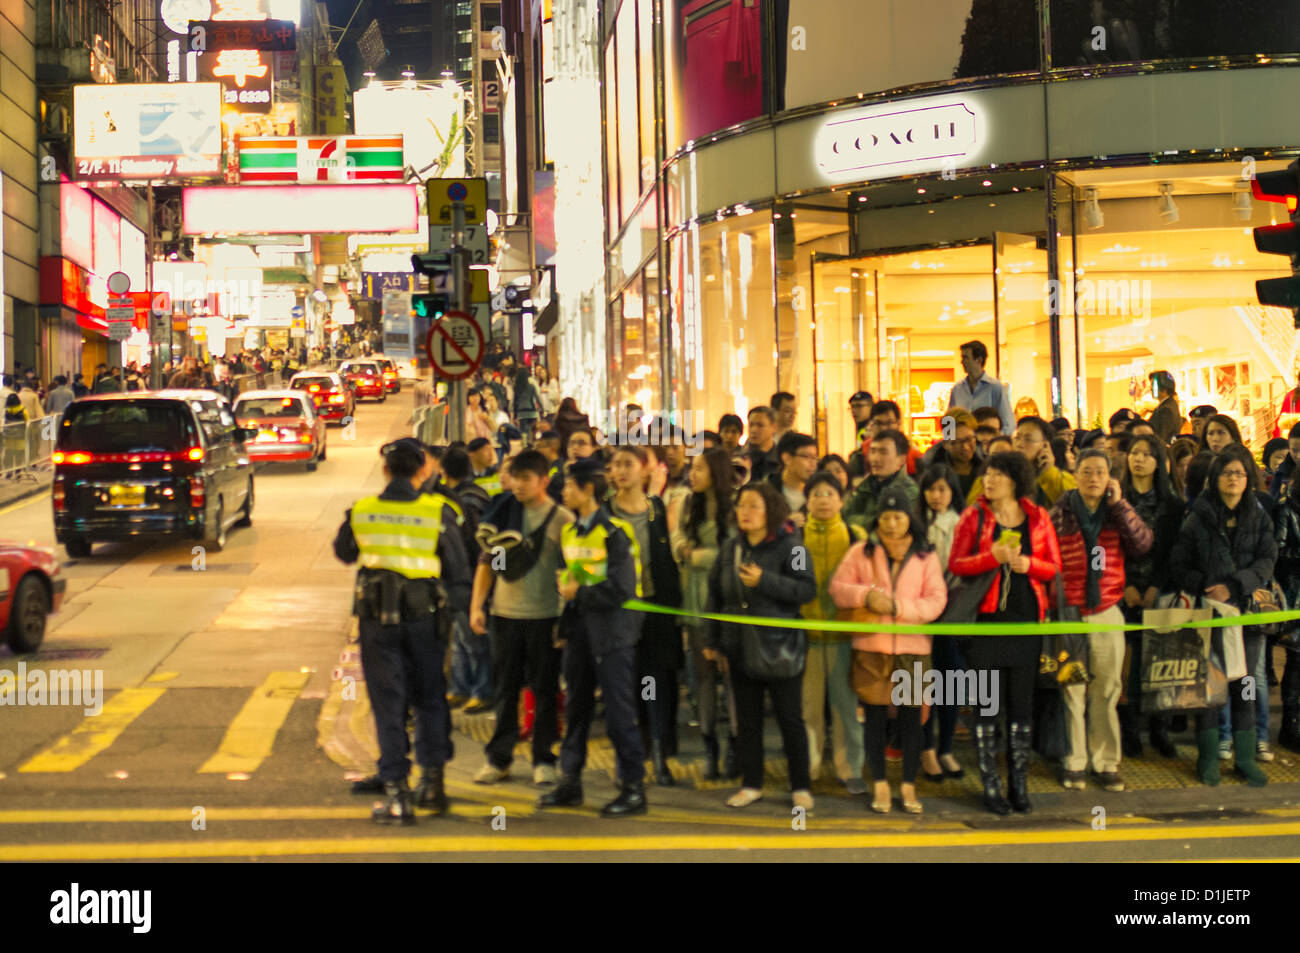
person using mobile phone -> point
(1018, 593)
(1098, 531)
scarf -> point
(1090, 524)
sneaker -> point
(1263, 751)
(855, 786)
(544, 774)
(1110, 781)
(1075, 780)
(491, 774)
(893, 754)
(1225, 750)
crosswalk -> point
(247, 743)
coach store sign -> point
(887, 141)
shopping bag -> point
(1178, 671)
(1063, 657)
(1228, 641)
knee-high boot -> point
(986, 747)
(1018, 770)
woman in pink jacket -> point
(896, 577)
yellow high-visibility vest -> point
(586, 556)
(400, 535)
(491, 484)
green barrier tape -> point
(962, 628)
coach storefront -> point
(1087, 217)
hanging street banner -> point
(307, 159)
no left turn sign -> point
(455, 346)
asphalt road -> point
(221, 734)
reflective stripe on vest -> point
(586, 556)
(399, 535)
(491, 484)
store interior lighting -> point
(1092, 216)
(1241, 205)
(1168, 210)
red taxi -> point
(329, 392)
(31, 587)
(366, 378)
(288, 427)
(392, 383)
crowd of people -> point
(1009, 517)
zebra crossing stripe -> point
(249, 739)
(94, 734)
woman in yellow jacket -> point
(830, 654)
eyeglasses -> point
(810, 457)
(965, 441)
(1234, 474)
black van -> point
(168, 463)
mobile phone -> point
(1010, 538)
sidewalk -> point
(18, 486)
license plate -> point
(267, 436)
(119, 495)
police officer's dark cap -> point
(407, 448)
(1203, 410)
(478, 443)
(861, 397)
(586, 467)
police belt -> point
(391, 598)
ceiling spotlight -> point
(1092, 216)
(1241, 205)
(1168, 210)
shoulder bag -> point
(768, 654)
(965, 597)
(1063, 659)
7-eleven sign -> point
(309, 159)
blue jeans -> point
(471, 660)
(1256, 664)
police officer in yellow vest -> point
(412, 559)
(483, 458)
(602, 571)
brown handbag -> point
(872, 672)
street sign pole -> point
(460, 294)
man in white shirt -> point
(978, 389)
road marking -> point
(492, 843)
(94, 734)
(27, 502)
(251, 736)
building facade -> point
(823, 196)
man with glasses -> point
(978, 389)
(581, 445)
(799, 458)
(1033, 441)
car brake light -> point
(59, 495)
(197, 493)
(304, 438)
(313, 388)
(194, 453)
(76, 456)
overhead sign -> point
(269, 35)
(146, 131)
(247, 77)
(887, 141)
(331, 85)
(299, 209)
(474, 237)
(377, 284)
(455, 346)
(443, 193)
(308, 159)
(429, 115)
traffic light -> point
(431, 305)
(1284, 239)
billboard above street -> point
(430, 118)
(146, 131)
(308, 159)
(299, 209)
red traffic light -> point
(1282, 186)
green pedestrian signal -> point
(430, 305)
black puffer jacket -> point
(786, 584)
(1286, 522)
(1208, 552)
(1165, 517)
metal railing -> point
(25, 447)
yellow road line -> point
(213, 815)
(503, 842)
(94, 734)
(26, 502)
(251, 736)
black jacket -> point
(762, 465)
(455, 578)
(1165, 517)
(1286, 533)
(665, 575)
(1207, 553)
(787, 583)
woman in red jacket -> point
(1019, 541)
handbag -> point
(1179, 672)
(965, 597)
(872, 676)
(1063, 658)
(1275, 603)
(1227, 642)
(768, 654)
